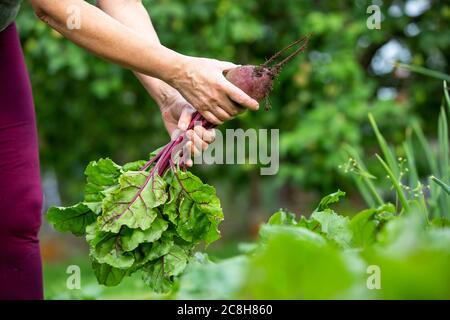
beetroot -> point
(244, 78)
(256, 81)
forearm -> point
(134, 15)
(110, 39)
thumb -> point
(185, 117)
(225, 65)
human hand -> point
(202, 83)
(177, 114)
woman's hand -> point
(201, 82)
(177, 114)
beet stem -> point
(155, 158)
(287, 59)
(279, 53)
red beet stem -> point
(303, 40)
(288, 58)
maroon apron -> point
(20, 187)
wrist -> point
(160, 91)
(178, 71)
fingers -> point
(206, 135)
(211, 118)
(190, 150)
(233, 109)
(222, 114)
(240, 97)
(217, 99)
(197, 142)
(185, 117)
(186, 159)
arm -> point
(176, 111)
(133, 14)
(200, 81)
(109, 39)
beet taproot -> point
(257, 81)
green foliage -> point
(366, 224)
(207, 280)
(330, 199)
(403, 174)
(135, 220)
(290, 268)
(386, 256)
(74, 219)
(442, 184)
(55, 283)
(282, 217)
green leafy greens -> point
(135, 220)
(375, 254)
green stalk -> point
(426, 148)
(443, 157)
(443, 145)
(375, 197)
(442, 184)
(413, 175)
(395, 183)
(387, 152)
(447, 97)
(423, 71)
(424, 205)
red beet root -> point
(256, 81)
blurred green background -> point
(87, 108)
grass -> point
(442, 184)
(423, 71)
(395, 182)
(387, 152)
(411, 189)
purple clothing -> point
(20, 187)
